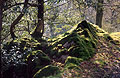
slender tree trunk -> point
(41, 16)
(0, 38)
(17, 21)
(112, 17)
(38, 33)
(99, 13)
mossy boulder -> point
(73, 60)
(83, 47)
(39, 58)
(47, 71)
(26, 50)
(79, 42)
(116, 37)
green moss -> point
(47, 71)
(73, 60)
(80, 42)
(40, 58)
(83, 46)
(72, 66)
(30, 49)
(116, 37)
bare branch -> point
(30, 4)
(17, 20)
(8, 7)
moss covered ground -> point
(86, 51)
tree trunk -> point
(99, 13)
(12, 27)
(0, 37)
(38, 33)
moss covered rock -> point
(73, 60)
(47, 71)
(79, 42)
(26, 50)
(116, 37)
(39, 58)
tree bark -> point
(38, 33)
(1, 3)
(17, 21)
(99, 13)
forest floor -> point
(104, 64)
(85, 52)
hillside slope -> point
(90, 49)
(86, 51)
